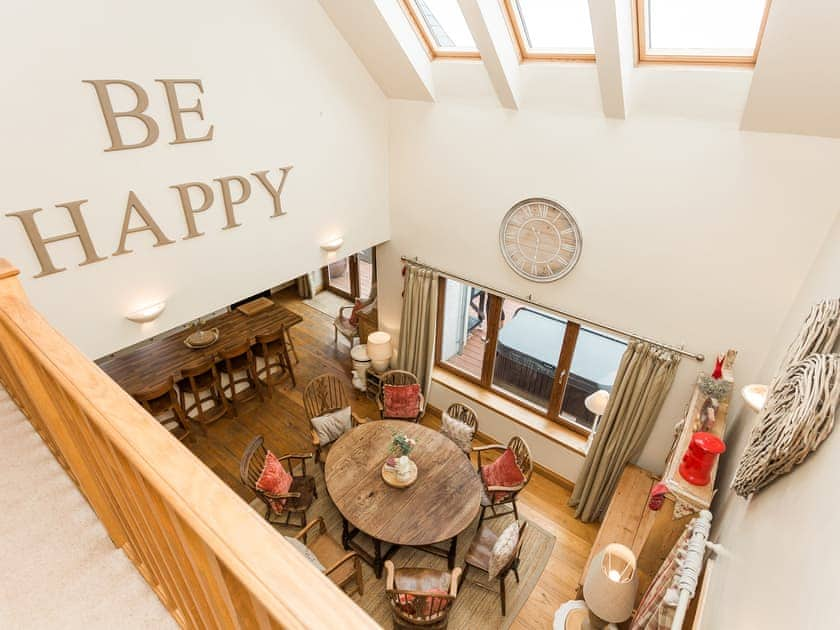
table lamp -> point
(609, 589)
(597, 404)
(379, 350)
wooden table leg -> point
(377, 558)
(453, 550)
(345, 534)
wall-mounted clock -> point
(540, 240)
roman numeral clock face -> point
(540, 240)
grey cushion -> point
(306, 552)
(333, 425)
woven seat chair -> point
(325, 394)
(397, 377)
(299, 497)
(238, 376)
(161, 401)
(493, 497)
(420, 598)
(479, 554)
(201, 394)
(272, 360)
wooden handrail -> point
(213, 561)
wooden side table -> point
(368, 323)
(374, 382)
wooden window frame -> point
(355, 283)
(428, 41)
(515, 24)
(643, 57)
(494, 316)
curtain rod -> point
(571, 316)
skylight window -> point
(716, 31)
(552, 29)
(442, 27)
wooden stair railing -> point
(212, 560)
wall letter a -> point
(149, 224)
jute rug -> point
(327, 302)
(475, 606)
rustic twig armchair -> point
(398, 377)
(493, 497)
(342, 567)
(420, 598)
(325, 394)
(479, 554)
(299, 497)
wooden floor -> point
(284, 424)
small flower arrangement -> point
(401, 444)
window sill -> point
(528, 419)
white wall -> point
(693, 233)
(281, 87)
(783, 542)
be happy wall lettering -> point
(235, 190)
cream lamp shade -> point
(611, 583)
(379, 350)
(597, 402)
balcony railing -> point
(211, 559)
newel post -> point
(9, 280)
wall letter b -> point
(117, 144)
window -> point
(552, 29)
(700, 31)
(442, 28)
(532, 357)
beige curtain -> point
(644, 378)
(304, 287)
(417, 326)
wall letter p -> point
(142, 102)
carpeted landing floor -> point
(475, 607)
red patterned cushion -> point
(432, 604)
(354, 315)
(274, 479)
(502, 472)
(402, 401)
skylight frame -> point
(643, 56)
(427, 39)
(526, 53)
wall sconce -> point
(333, 244)
(147, 313)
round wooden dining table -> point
(433, 510)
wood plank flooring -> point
(283, 422)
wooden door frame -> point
(355, 278)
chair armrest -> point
(316, 441)
(380, 404)
(318, 521)
(284, 495)
(345, 558)
(357, 420)
(478, 449)
(389, 575)
(516, 488)
(345, 308)
(453, 583)
(296, 456)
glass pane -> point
(527, 352)
(594, 365)
(464, 327)
(445, 23)
(339, 274)
(556, 25)
(704, 27)
(366, 262)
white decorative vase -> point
(403, 468)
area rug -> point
(327, 302)
(475, 606)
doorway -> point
(352, 277)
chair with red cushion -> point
(254, 471)
(420, 598)
(400, 397)
(505, 477)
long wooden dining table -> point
(154, 362)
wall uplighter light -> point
(147, 313)
(333, 244)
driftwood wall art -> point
(801, 403)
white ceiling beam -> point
(612, 32)
(489, 28)
(380, 34)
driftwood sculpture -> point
(801, 402)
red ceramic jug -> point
(699, 459)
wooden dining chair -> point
(272, 361)
(479, 555)
(201, 394)
(342, 567)
(398, 378)
(465, 414)
(301, 494)
(325, 394)
(238, 375)
(161, 401)
(493, 497)
(420, 598)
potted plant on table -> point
(401, 447)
